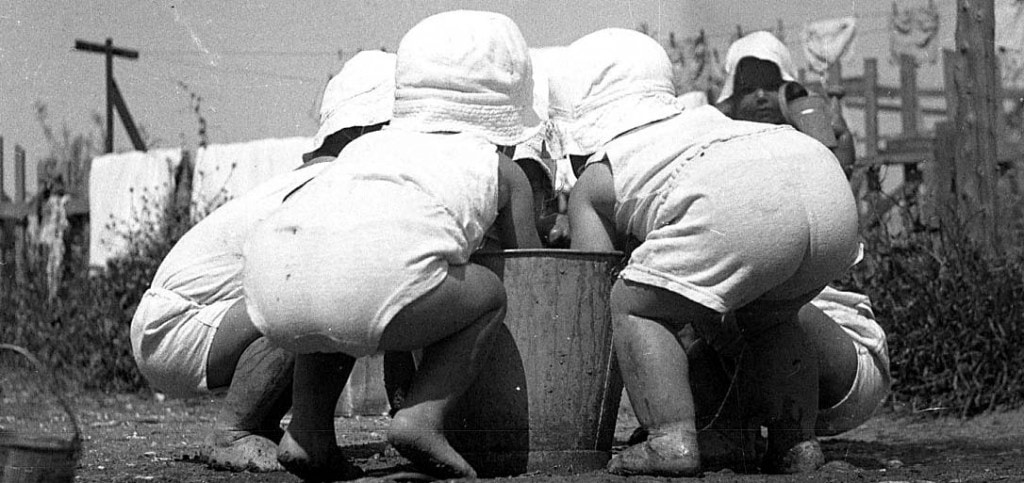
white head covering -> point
(609, 82)
(361, 94)
(759, 45)
(466, 71)
(544, 146)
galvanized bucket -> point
(548, 396)
(37, 457)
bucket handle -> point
(43, 369)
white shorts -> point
(171, 338)
(766, 216)
(870, 387)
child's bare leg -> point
(248, 425)
(309, 448)
(837, 355)
(655, 373)
(454, 323)
(779, 377)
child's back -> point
(378, 229)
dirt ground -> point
(135, 438)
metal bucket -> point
(548, 396)
(364, 393)
(39, 458)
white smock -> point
(729, 212)
(377, 230)
(178, 316)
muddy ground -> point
(136, 438)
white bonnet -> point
(361, 94)
(466, 71)
(609, 82)
(759, 45)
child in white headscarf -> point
(760, 85)
(191, 334)
(357, 101)
(761, 82)
(373, 254)
(728, 217)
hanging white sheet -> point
(128, 193)
(914, 31)
(826, 41)
(224, 171)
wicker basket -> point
(34, 457)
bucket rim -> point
(526, 252)
(48, 444)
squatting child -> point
(373, 254)
(191, 334)
(728, 217)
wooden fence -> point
(924, 159)
(14, 215)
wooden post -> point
(5, 232)
(126, 117)
(975, 81)
(908, 95)
(20, 254)
(871, 107)
(949, 67)
(114, 99)
(942, 186)
(863, 184)
(833, 81)
(109, 51)
(945, 148)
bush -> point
(83, 334)
(953, 318)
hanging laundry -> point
(50, 239)
(696, 66)
(225, 171)
(914, 31)
(128, 193)
(1009, 42)
(826, 41)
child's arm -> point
(515, 222)
(592, 210)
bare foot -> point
(315, 462)
(428, 449)
(248, 453)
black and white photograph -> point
(556, 241)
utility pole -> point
(114, 99)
